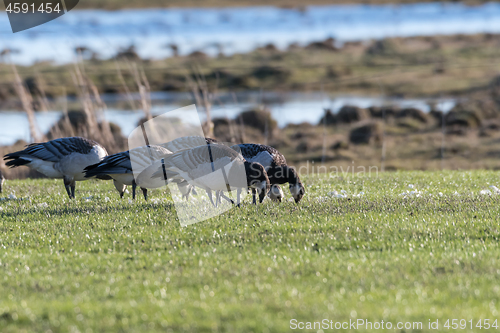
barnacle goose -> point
(63, 158)
(195, 164)
(277, 170)
(187, 142)
(121, 167)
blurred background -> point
(394, 84)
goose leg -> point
(209, 193)
(73, 185)
(134, 186)
(222, 195)
(254, 200)
(238, 197)
(186, 195)
(184, 188)
(67, 184)
(145, 193)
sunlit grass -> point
(407, 246)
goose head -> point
(276, 193)
(297, 190)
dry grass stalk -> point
(144, 89)
(130, 99)
(42, 98)
(202, 95)
(97, 127)
(67, 123)
(86, 100)
(27, 103)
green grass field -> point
(406, 246)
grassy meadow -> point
(401, 246)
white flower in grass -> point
(43, 205)
(485, 192)
(12, 196)
(106, 199)
(336, 194)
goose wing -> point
(113, 164)
(199, 161)
(263, 154)
(51, 151)
(125, 162)
(187, 142)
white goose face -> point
(297, 191)
(276, 193)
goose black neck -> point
(283, 174)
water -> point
(237, 29)
(288, 108)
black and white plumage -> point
(64, 158)
(277, 169)
(198, 164)
(121, 167)
(182, 143)
(2, 180)
(187, 142)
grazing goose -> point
(2, 180)
(196, 166)
(188, 142)
(119, 168)
(277, 170)
(60, 158)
